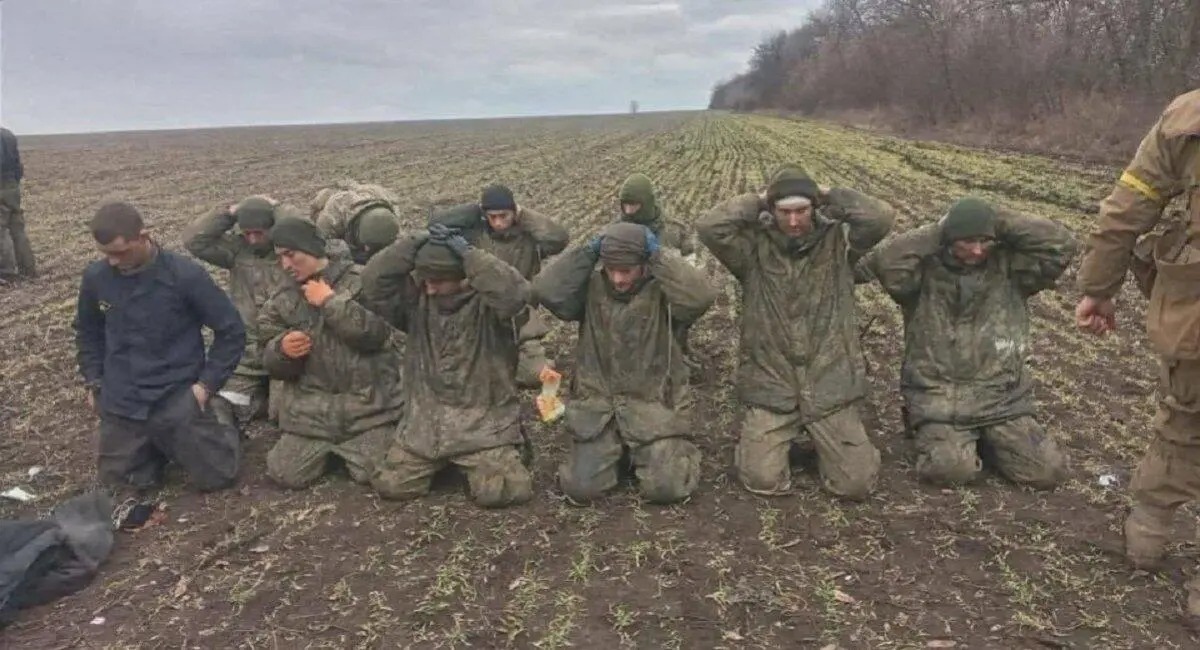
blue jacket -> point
(139, 336)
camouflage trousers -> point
(496, 477)
(667, 469)
(1020, 450)
(847, 460)
(298, 461)
(205, 444)
(16, 253)
(1168, 476)
(247, 395)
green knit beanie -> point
(790, 180)
(437, 262)
(255, 213)
(377, 227)
(969, 218)
(299, 235)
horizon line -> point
(215, 127)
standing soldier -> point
(339, 371)
(793, 250)
(963, 285)
(456, 302)
(630, 384)
(1166, 165)
(139, 332)
(254, 276)
(522, 238)
(362, 215)
(16, 253)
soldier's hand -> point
(439, 232)
(594, 245)
(296, 345)
(317, 292)
(201, 394)
(458, 244)
(1096, 315)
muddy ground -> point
(990, 566)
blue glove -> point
(457, 243)
(651, 242)
(594, 245)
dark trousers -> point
(135, 452)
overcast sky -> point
(95, 65)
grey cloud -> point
(118, 64)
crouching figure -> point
(962, 284)
(457, 304)
(629, 391)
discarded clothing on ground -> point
(42, 560)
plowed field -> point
(990, 566)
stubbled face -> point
(444, 287)
(125, 255)
(794, 222)
(630, 209)
(255, 236)
(624, 278)
(972, 252)
(300, 265)
(501, 220)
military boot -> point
(1146, 532)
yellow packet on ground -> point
(549, 405)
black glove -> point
(439, 232)
(458, 244)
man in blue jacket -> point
(141, 351)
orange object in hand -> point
(550, 406)
(296, 345)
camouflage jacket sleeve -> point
(551, 237)
(562, 285)
(272, 326)
(728, 230)
(1042, 249)
(357, 326)
(898, 264)
(687, 289)
(501, 286)
(208, 238)
(869, 219)
(387, 285)
(1157, 174)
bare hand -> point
(201, 394)
(1096, 315)
(296, 345)
(317, 292)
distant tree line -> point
(944, 61)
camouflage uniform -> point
(16, 253)
(344, 398)
(629, 388)
(254, 276)
(1166, 165)
(530, 240)
(800, 363)
(338, 212)
(966, 335)
(461, 404)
